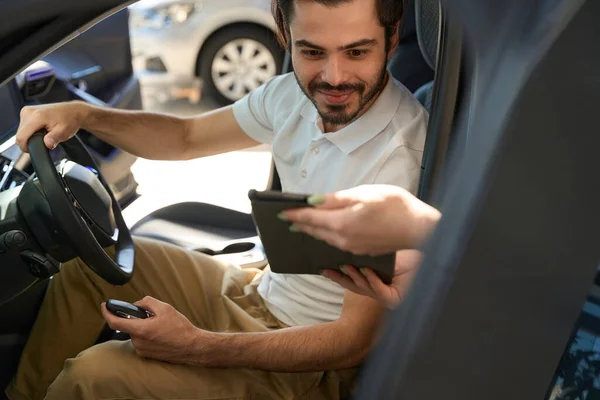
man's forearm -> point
(144, 134)
(166, 137)
(333, 345)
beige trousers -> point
(60, 360)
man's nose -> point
(334, 72)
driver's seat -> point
(195, 225)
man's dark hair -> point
(390, 12)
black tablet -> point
(298, 253)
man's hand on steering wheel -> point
(82, 204)
(61, 121)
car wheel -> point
(238, 60)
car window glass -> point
(577, 375)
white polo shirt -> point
(385, 145)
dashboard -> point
(15, 166)
(46, 82)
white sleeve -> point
(254, 112)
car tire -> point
(236, 60)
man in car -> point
(220, 332)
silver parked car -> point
(224, 48)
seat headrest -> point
(427, 18)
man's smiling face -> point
(339, 57)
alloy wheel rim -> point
(240, 66)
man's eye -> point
(357, 53)
(311, 53)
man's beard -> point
(336, 114)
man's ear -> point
(394, 41)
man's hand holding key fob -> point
(127, 310)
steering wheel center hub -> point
(91, 197)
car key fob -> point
(124, 309)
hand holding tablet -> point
(298, 253)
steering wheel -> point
(72, 218)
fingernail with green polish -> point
(316, 200)
(293, 229)
(362, 271)
(282, 217)
(343, 270)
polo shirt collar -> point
(365, 128)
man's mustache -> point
(344, 87)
